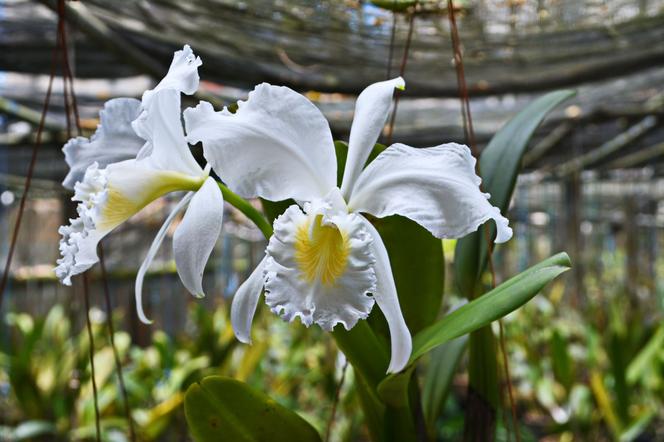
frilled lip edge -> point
(290, 296)
(80, 238)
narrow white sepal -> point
(154, 247)
(196, 236)
(245, 301)
(388, 301)
(371, 111)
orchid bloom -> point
(325, 262)
(110, 190)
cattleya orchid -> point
(138, 154)
(326, 263)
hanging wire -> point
(31, 168)
(69, 93)
(86, 296)
(470, 139)
(111, 334)
(392, 34)
(337, 395)
(402, 71)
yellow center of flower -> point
(123, 202)
(321, 252)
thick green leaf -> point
(394, 389)
(500, 164)
(366, 353)
(223, 409)
(495, 304)
(418, 266)
(438, 378)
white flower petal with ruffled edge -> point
(245, 302)
(107, 198)
(197, 234)
(113, 141)
(436, 187)
(371, 111)
(152, 252)
(388, 301)
(320, 270)
(166, 147)
(277, 145)
(182, 75)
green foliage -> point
(500, 164)
(224, 409)
(493, 305)
(439, 376)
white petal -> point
(196, 236)
(161, 126)
(437, 187)
(388, 301)
(154, 247)
(245, 301)
(371, 111)
(78, 245)
(299, 286)
(107, 198)
(182, 75)
(277, 145)
(114, 140)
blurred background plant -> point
(586, 356)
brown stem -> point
(402, 70)
(86, 296)
(337, 394)
(116, 356)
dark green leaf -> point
(223, 409)
(439, 376)
(418, 266)
(495, 304)
(500, 164)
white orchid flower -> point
(111, 192)
(325, 262)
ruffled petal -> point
(182, 75)
(371, 111)
(154, 247)
(196, 236)
(78, 245)
(388, 302)
(436, 187)
(319, 270)
(277, 145)
(107, 198)
(245, 301)
(161, 126)
(114, 140)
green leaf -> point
(224, 409)
(495, 304)
(393, 390)
(561, 360)
(438, 378)
(395, 5)
(646, 357)
(418, 266)
(500, 164)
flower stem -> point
(245, 207)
